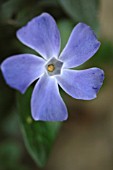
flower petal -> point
(42, 35)
(21, 70)
(81, 45)
(46, 102)
(82, 84)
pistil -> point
(51, 68)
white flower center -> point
(53, 66)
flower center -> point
(51, 68)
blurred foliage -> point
(9, 156)
(82, 11)
(39, 136)
(65, 26)
(6, 98)
(104, 56)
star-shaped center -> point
(53, 66)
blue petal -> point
(82, 84)
(42, 35)
(46, 102)
(81, 46)
(21, 70)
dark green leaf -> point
(82, 10)
(39, 136)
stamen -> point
(50, 67)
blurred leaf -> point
(39, 136)
(10, 154)
(19, 12)
(82, 11)
(65, 27)
(10, 125)
(35, 8)
(9, 10)
(104, 54)
(6, 99)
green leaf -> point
(65, 26)
(82, 10)
(104, 54)
(39, 136)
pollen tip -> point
(50, 67)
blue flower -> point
(42, 35)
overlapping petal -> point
(21, 70)
(81, 45)
(83, 84)
(42, 35)
(46, 102)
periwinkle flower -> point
(42, 35)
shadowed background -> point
(85, 140)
